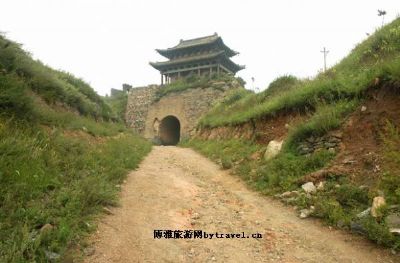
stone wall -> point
(139, 100)
(145, 111)
(330, 142)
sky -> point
(111, 42)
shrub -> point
(281, 84)
(226, 163)
(283, 171)
(330, 210)
(351, 195)
(13, 97)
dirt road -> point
(178, 189)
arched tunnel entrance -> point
(170, 130)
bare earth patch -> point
(178, 189)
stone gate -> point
(168, 119)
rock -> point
(305, 150)
(287, 126)
(377, 203)
(309, 187)
(255, 156)
(363, 108)
(289, 194)
(348, 160)
(156, 140)
(107, 211)
(334, 140)
(273, 148)
(196, 216)
(46, 228)
(332, 150)
(337, 134)
(304, 213)
(310, 139)
(393, 221)
(394, 231)
(51, 256)
(341, 224)
(364, 213)
(357, 228)
(321, 186)
(330, 145)
(89, 251)
(393, 207)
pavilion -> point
(201, 56)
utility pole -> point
(325, 54)
(382, 13)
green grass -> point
(281, 84)
(324, 119)
(194, 81)
(67, 120)
(390, 182)
(118, 104)
(63, 154)
(325, 101)
(55, 87)
(13, 97)
(376, 58)
(52, 178)
(338, 204)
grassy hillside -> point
(375, 59)
(118, 104)
(19, 72)
(326, 103)
(61, 159)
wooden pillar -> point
(210, 70)
(179, 74)
(162, 79)
(218, 69)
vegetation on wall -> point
(194, 81)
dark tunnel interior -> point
(170, 130)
